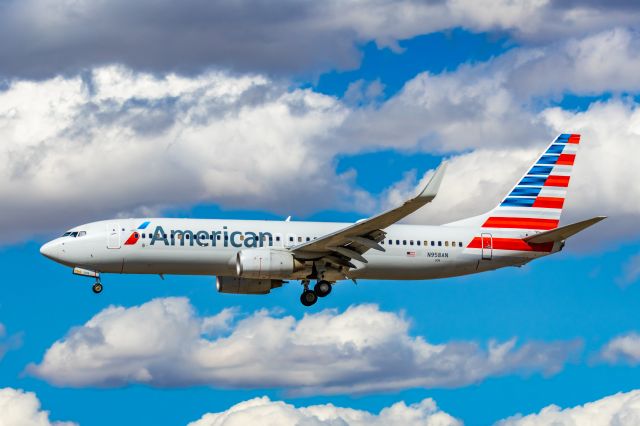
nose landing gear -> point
(310, 297)
(97, 287)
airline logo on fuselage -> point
(223, 238)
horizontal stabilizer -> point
(563, 232)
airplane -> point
(256, 256)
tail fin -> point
(536, 201)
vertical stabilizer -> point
(537, 199)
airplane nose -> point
(49, 250)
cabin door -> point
(487, 246)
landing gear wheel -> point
(322, 288)
(308, 298)
(97, 288)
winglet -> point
(431, 190)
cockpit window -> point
(74, 234)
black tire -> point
(322, 288)
(97, 288)
(308, 298)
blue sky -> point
(331, 123)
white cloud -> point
(599, 63)
(278, 413)
(123, 141)
(621, 409)
(622, 349)
(20, 408)
(164, 343)
(287, 37)
(133, 143)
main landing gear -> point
(310, 297)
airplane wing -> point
(563, 232)
(351, 242)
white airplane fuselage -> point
(254, 256)
(210, 247)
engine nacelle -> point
(237, 285)
(266, 263)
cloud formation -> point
(622, 349)
(57, 36)
(621, 409)
(113, 141)
(20, 408)
(278, 413)
(119, 141)
(164, 343)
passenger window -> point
(460, 244)
(308, 239)
(426, 242)
(439, 243)
(397, 242)
(410, 242)
(446, 243)
(218, 237)
(404, 242)
(418, 243)
(433, 243)
(291, 239)
(277, 238)
(187, 236)
(299, 239)
(390, 242)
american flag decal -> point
(411, 253)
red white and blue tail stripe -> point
(537, 199)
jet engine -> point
(266, 263)
(237, 285)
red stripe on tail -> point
(553, 180)
(520, 223)
(566, 160)
(549, 202)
